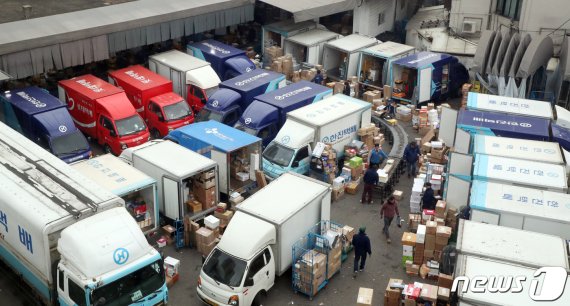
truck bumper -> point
(206, 300)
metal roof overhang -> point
(537, 54)
(306, 10)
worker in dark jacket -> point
(370, 180)
(411, 156)
(361, 244)
(318, 78)
(387, 212)
(376, 156)
(428, 200)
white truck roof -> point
(294, 134)
(174, 158)
(244, 225)
(114, 239)
(513, 245)
(542, 151)
(293, 192)
(475, 266)
(352, 43)
(388, 49)
(328, 110)
(204, 77)
(113, 174)
(510, 105)
(179, 60)
(312, 37)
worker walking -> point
(428, 199)
(361, 244)
(387, 213)
(376, 156)
(411, 156)
(370, 180)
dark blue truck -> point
(45, 120)
(227, 61)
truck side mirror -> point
(295, 164)
(248, 281)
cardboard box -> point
(407, 250)
(443, 231)
(430, 242)
(352, 187)
(440, 208)
(431, 227)
(364, 297)
(445, 281)
(394, 293)
(398, 194)
(443, 294)
(429, 293)
(409, 239)
(205, 196)
(421, 234)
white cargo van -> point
(334, 120)
(257, 244)
(340, 56)
(308, 46)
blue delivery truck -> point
(237, 153)
(228, 103)
(427, 76)
(265, 116)
(227, 61)
(45, 120)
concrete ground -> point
(12, 9)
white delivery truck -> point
(509, 105)
(176, 170)
(192, 78)
(517, 246)
(340, 56)
(257, 244)
(488, 277)
(375, 63)
(70, 240)
(334, 120)
(519, 207)
(274, 33)
(136, 188)
(307, 47)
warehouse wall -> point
(366, 16)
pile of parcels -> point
(326, 162)
(399, 293)
(427, 117)
(370, 135)
(430, 172)
(430, 237)
(207, 237)
(307, 74)
(203, 195)
(338, 87)
(465, 89)
(354, 169)
(271, 54)
(239, 166)
(433, 150)
(171, 269)
(316, 266)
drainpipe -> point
(395, 10)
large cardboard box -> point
(409, 239)
(364, 297)
(431, 227)
(440, 207)
(205, 196)
(445, 280)
(429, 293)
(394, 292)
(443, 294)
(430, 242)
(443, 231)
(194, 206)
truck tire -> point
(260, 299)
(107, 149)
(155, 134)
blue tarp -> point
(422, 59)
(222, 137)
(505, 125)
(294, 93)
(252, 80)
(32, 100)
(561, 135)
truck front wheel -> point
(260, 299)
(107, 149)
(155, 134)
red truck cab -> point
(144, 87)
(103, 112)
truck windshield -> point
(224, 268)
(69, 144)
(210, 91)
(244, 128)
(130, 125)
(278, 154)
(177, 111)
(131, 287)
(206, 114)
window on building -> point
(381, 18)
(509, 8)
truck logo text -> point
(502, 122)
(37, 103)
(253, 78)
(215, 132)
(88, 84)
(292, 93)
(552, 284)
(423, 58)
(224, 51)
(120, 256)
(138, 77)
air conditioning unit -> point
(469, 27)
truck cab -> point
(167, 112)
(227, 61)
(103, 111)
(45, 120)
(192, 78)
(227, 104)
(126, 270)
(251, 260)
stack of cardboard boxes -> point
(328, 157)
(224, 215)
(436, 295)
(171, 269)
(203, 192)
(393, 292)
(239, 167)
(371, 95)
(356, 166)
(272, 53)
(334, 259)
(404, 113)
(370, 135)
(464, 93)
(338, 186)
(310, 272)
(205, 240)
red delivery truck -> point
(103, 112)
(151, 95)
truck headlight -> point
(199, 282)
(123, 146)
(234, 300)
(170, 129)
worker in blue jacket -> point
(376, 156)
(411, 156)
